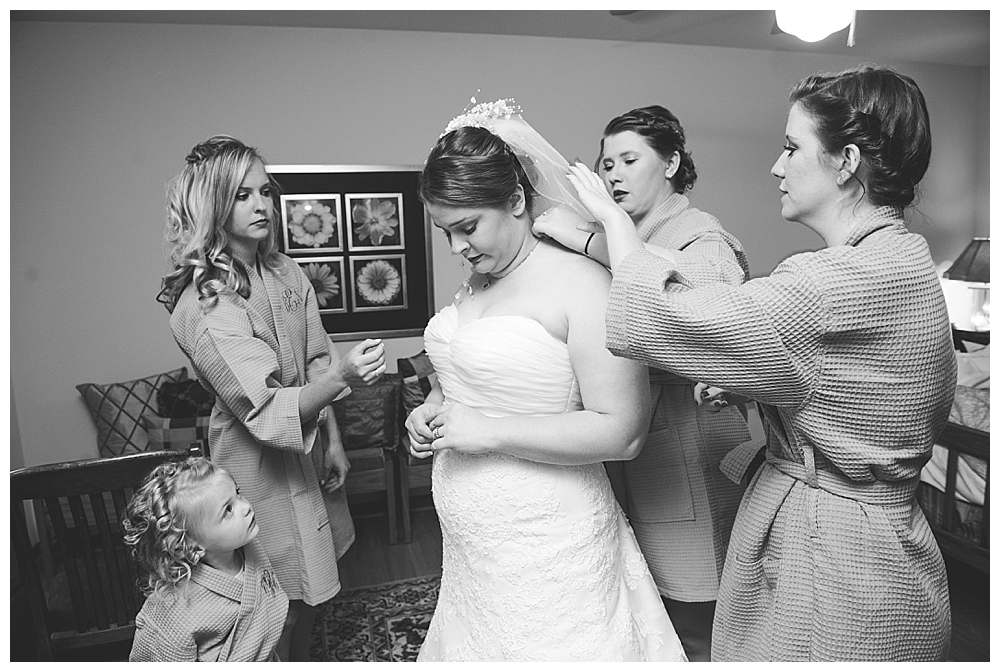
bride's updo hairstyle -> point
(663, 133)
(884, 114)
(470, 167)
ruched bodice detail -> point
(539, 563)
(502, 365)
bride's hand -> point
(458, 427)
(595, 197)
(419, 433)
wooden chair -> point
(414, 477)
(100, 573)
(418, 379)
(367, 419)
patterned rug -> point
(378, 623)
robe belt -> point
(878, 493)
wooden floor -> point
(372, 560)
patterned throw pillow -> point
(418, 378)
(184, 399)
(177, 434)
(368, 417)
(117, 408)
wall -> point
(103, 114)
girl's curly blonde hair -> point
(156, 522)
(199, 201)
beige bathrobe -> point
(255, 355)
(679, 503)
(850, 351)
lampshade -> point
(973, 265)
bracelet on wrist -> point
(587, 245)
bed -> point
(954, 489)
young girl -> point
(211, 592)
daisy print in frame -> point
(376, 216)
(375, 221)
(326, 275)
(379, 283)
(311, 222)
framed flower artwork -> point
(326, 275)
(311, 222)
(379, 283)
(376, 221)
(362, 238)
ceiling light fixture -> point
(812, 25)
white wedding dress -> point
(539, 561)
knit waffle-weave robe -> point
(849, 350)
(679, 503)
(214, 616)
(255, 355)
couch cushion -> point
(176, 434)
(118, 407)
(369, 416)
(184, 399)
(418, 377)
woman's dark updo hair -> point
(663, 132)
(884, 114)
(471, 167)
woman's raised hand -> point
(557, 222)
(595, 197)
(364, 363)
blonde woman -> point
(247, 318)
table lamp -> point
(973, 268)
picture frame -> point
(362, 236)
(327, 277)
(376, 218)
(312, 222)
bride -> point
(539, 561)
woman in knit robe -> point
(849, 351)
(679, 503)
(246, 317)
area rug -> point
(385, 623)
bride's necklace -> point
(490, 278)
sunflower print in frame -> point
(379, 283)
(326, 275)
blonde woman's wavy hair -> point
(157, 522)
(200, 200)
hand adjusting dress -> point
(539, 561)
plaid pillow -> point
(184, 399)
(368, 416)
(177, 434)
(418, 378)
(117, 407)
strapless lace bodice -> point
(538, 560)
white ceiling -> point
(885, 36)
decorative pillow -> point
(176, 434)
(184, 399)
(418, 379)
(974, 366)
(117, 407)
(368, 417)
